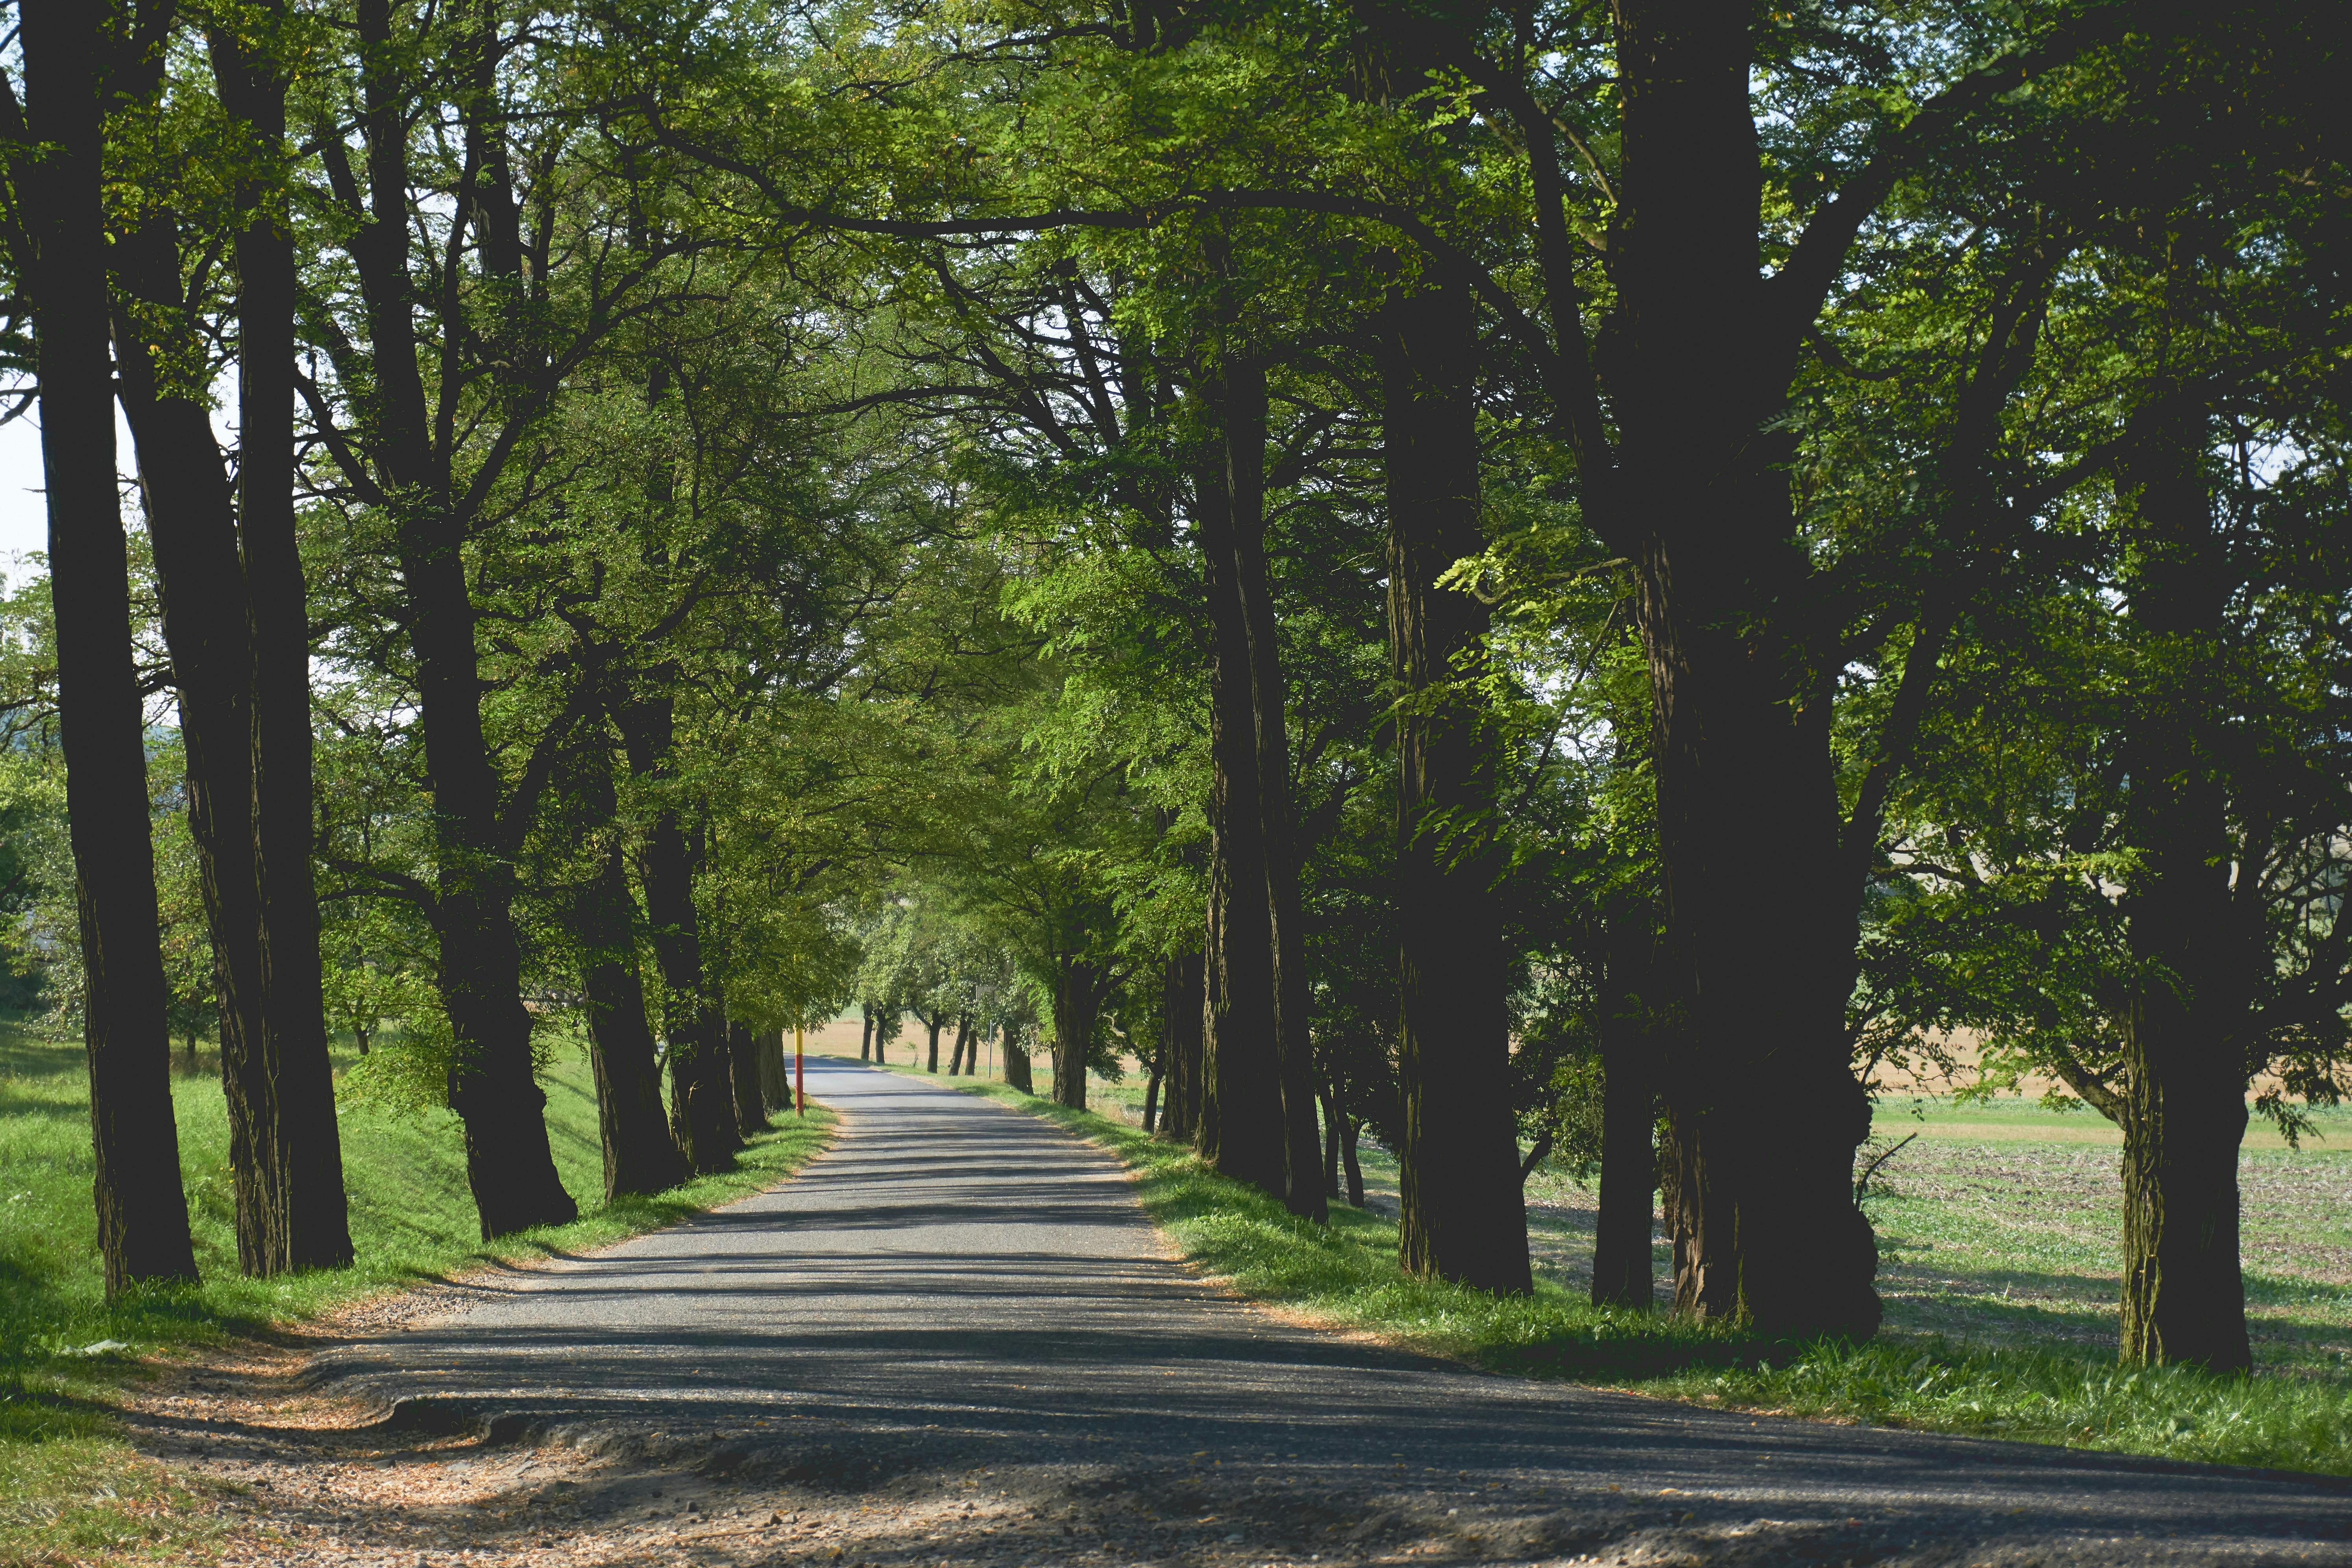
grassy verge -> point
(71, 1490)
(1346, 1275)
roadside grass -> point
(1346, 1275)
(71, 1490)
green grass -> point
(71, 1490)
(2013, 1234)
(2075, 1393)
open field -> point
(72, 1490)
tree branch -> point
(2095, 1091)
(1797, 292)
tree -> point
(606, 930)
(503, 332)
(285, 1147)
(59, 255)
(377, 971)
(1460, 1216)
(251, 75)
(2117, 861)
(2123, 868)
(1751, 243)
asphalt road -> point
(961, 1300)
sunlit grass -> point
(70, 1490)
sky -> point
(24, 518)
(24, 511)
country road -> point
(955, 1339)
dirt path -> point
(955, 1340)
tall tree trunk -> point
(1078, 1005)
(2184, 1293)
(1181, 1008)
(932, 1024)
(1017, 1065)
(640, 1156)
(1240, 1127)
(142, 1216)
(509, 1163)
(775, 1072)
(962, 1060)
(702, 1097)
(1621, 1273)
(1462, 1217)
(1349, 1128)
(1629, 1157)
(1331, 1140)
(192, 529)
(1245, 409)
(285, 1150)
(2183, 1098)
(1151, 1089)
(1764, 1113)
(743, 1068)
(293, 1018)
(865, 1033)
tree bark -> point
(1017, 1066)
(932, 1024)
(1182, 1007)
(1331, 1142)
(1078, 987)
(640, 1156)
(1240, 1127)
(866, 1034)
(1621, 1271)
(293, 1018)
(285, 1150)
(192, 530)
(962, 1060)
(1349, 1128)
(509, 1163)
(702, 1099)
(142, 1216)
(1462, 1217)
(1760, 914)
(743, 1070)
(2183, 1098)
(2184, 1293)
(775, 1072)
(1245, 423)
